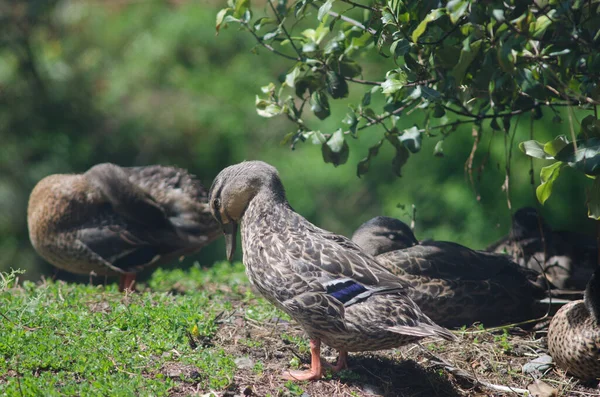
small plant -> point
(258, 368)
(503, 341)
(294, 388)
(8, 279)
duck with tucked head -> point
(574, 333)
(451, 283)
(339, 295)
(113, 220)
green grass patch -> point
(74, 339)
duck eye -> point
(217, 204)
(392, 236)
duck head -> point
(527, 223)
(234, 188)
(382, 234)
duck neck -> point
(591, 296)
(266, 208)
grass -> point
(203, 331)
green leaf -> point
(310, 83)
(541, 24)
(352, 121)
(585, 159)
(316, 137)
(438, 150)
(438, 111)
(529, 84)
(220, 16)
(390, 86)
(556, 145)
(464, 61)
(400, 47)
(349, 68)
(400, 159)
(241, 6)
(366, 100)
(291, 77)
(411, 138)
(593, 200)
(319, 104)
(456, 9)
(324, 9)
(260, 22)
(547, 176)
(432, 16)
(364, 164)
(395, 80)
(336, 85)
(267, 108)
(336, 149)
(430, 94)
(534, 149)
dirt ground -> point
(480, 363)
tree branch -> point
(351, 21)
(284, 29)
(268, 46)
(364, 7)
(444, 37)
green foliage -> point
(475, 61)
(582, 154)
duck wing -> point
(181, 195)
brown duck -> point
(113, 220)
(574, 334)
(567, 258)
(453, 284)
(340, 295)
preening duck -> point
(339, 295)
(113, 220)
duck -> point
(338, 294)
(574, 334)
(117, 221)
(567, 258)
(452, 284)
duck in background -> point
(452, 284)
(114, 220)
(567, 258)
(339, 295)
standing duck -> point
(112, 220)
(339, 295)
(574, 334)
(453, 284)
(567, 258)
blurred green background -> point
(139, 82)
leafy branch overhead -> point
(466, 62)
(583, 154)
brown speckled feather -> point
(574, 334)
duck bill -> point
(230, 232)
